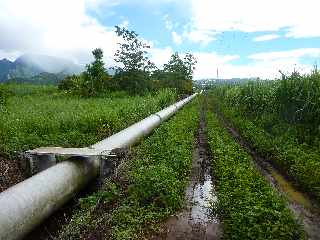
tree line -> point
(136, 73)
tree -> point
(68, 83)
(93, 81)
(134, 73)
(132, 52)
(189, 62)
(177, 73)
(95, 75)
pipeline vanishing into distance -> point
(25, 205)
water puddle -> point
(304, 209)
(197, 220)
(291, 193)
(202, 200)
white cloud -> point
(168, 23)
(290, 54)
(160, 56)
(263, 65)
(200, 36)
(300, 18)
(208, 62)
(177, 39)
(124, 24)
(11, 55)
(266, 37)
(58, 28)
(63, 28)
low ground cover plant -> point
(248, 206)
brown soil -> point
(305, 208)
(11, 173)
(196, 220)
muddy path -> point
(196, 220)
(304, 208)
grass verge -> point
(248, 206)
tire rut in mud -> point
(196, 220)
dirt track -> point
(196, 221)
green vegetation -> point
(3, 97)
(43, 78)
(177, 73)
(42, 116)
(248, 206)
(147, 188)
(136, 74)
(281, 120)
(92, 82)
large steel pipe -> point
(27, 204)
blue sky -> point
(246, 38)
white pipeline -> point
(27, 204)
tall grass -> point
(294, 100)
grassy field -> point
(41, 116)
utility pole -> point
(217, 73)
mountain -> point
(43, 63)
(29, 67)
(5, 67)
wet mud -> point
(305, 209)
(196, 220)
(11, 173)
